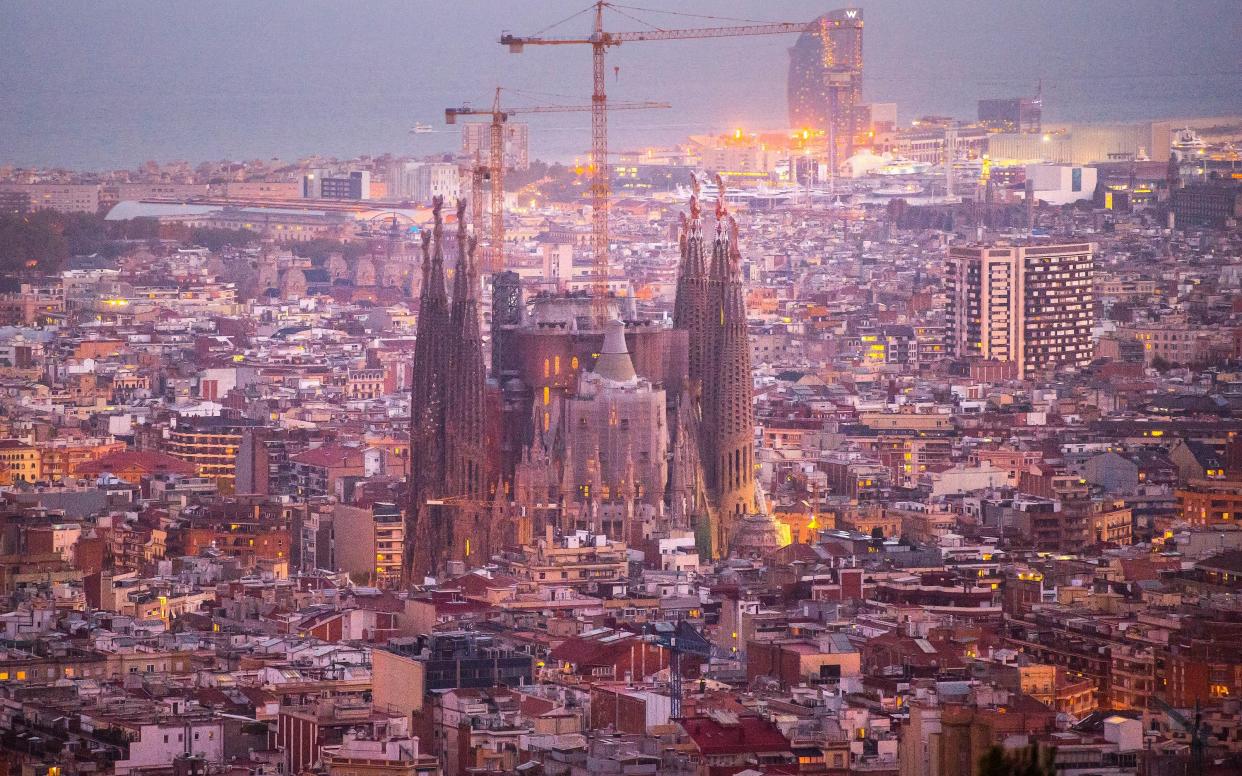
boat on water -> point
(707, 193)
(901, 190)
(422, 129)
(1187, 144)
(899, 165)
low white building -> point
(1061, 184)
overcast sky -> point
(97, 83)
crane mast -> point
(601, 181)
(495, 256)
(495, 170)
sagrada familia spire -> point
(710, 306)
(427, 398)
(447, 517)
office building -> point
(825, 78)
(420, 182)
(476, 142)
(1027, 304)
(322, 185)
(1214, 204)
(417, 666)
(61, 197)
(1015, 114)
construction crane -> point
(1194, 729)
(682, 639)
(495, 169)
(600, 41)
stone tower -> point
(427, 411)
(449, 515)
(725, 415)
(466, 477)
(691, 307)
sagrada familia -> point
(614, 426)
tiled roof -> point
(329, 455)
(747, 734)
(146, 461)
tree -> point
(216, 239)
(1031, 761)
(85, 233)
(42, 240)
(32, 241)
(994, 763)
(317, 250)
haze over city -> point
(733, 388)
(115, 83)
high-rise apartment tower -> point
(1030, 304)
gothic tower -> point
(466, 478)
(427, 411)
(691, 306)
(728, 410)
(710, 306)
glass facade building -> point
(825, 78)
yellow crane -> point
(600, 40)
(495, 169)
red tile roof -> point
(477, 584)
(592, 652)
(145, 461)
(748, 734)
(329, 455)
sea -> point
(110, 84)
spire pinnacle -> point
(721, 209)
(694, 196)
